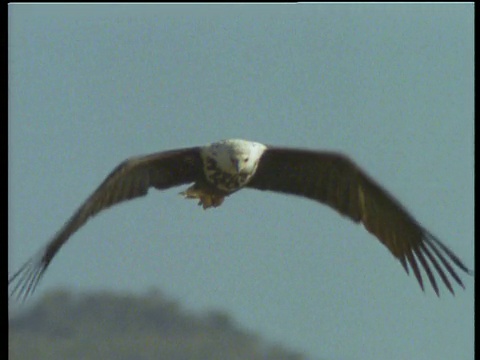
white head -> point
(230, 164)
(236, 156)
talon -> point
(207, 199)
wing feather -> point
(130, 179)
(336, 181)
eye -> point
(246, 159)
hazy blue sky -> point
(391, 86)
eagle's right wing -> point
(130, 179)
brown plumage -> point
(327, 177)
(129, 180)
(336, 181)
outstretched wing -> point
(336, 181)
(129, 180)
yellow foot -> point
(206, 200)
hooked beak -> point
(236, 164)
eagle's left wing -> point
(336, 181)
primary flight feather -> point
(218, 170)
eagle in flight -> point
(220, 169)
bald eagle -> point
(220, 169)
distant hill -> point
(111, 326)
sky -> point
(391, 86)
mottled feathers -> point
(221, 169)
